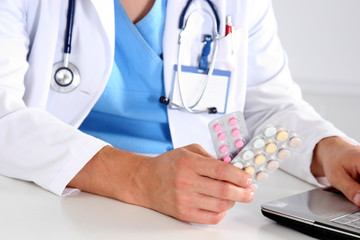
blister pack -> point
(264, 152)
(228, 134)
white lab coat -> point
(39, 140)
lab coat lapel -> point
(105, 10)
(170, 40)
(185, 127)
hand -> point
(191, 185)
(339, 161)
(185, 183)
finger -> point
(196, 215)
(213, 204)
(223, 171)
(347, 185)
(223, 190)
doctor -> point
(125, 52)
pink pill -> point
(239, 143)
(233, 121)
(224, 148)
(217, 127)
(221, 136)
(226, 158)
(235, 132)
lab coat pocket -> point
(230, 49)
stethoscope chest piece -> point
(65, 78)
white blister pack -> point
(228, 134)
(264, 153)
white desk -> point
(28, 212)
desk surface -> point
(28, 212)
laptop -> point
(322, 213)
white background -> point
(322, 40)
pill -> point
(258, 143)
(239, 143)
(247, 155)
(272, 165)
(238, 165)
(235, 132)
(270, 147)
(294, 142)
(282, 135)
(221, 136)
(260, 159)
(270, 131)
(250, 170)
(283, 153)
(261, 176)
(224, 148)
(233, 121)
(217, 127)
(226, 158)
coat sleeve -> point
(34, 145)
(274, 98)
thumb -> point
(349, 187)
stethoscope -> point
(216, 33)
(66, 76)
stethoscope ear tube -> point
(213, 8)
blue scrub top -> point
(128, 114)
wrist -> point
(326, 149)
(321, 152)
(111, 173)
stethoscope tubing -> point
(182, 27)
(69, 26)
(212, 6)
(69, 31)
(210, 71)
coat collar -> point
(105, 11)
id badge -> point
(192, 84)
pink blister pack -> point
(228, 135)
(264, 153)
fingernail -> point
(251, 197)
(357, 199)
(248, 182)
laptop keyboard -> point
(351, 220)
